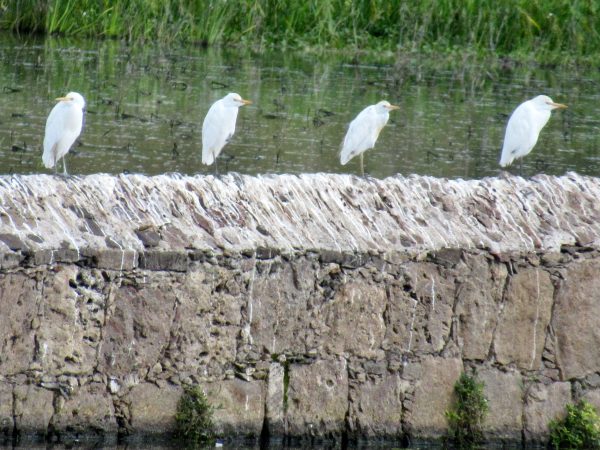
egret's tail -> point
(208, 157)
(345, 156)
(506, 160)
(48, 157)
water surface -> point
(146, 105)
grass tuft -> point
(579, 429)
(194, 417)
(466, 418)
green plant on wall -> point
(579, 429)
(194, 417)
(469, 410)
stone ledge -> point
(339, 216)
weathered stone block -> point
(279, 303)
(434, 380)
(317, 398)
(114, 259)
(65, 254)
(33, 408)
(275, 400)
(207, 323)
(87, 408)
(521, 331)
(544, 403)
(153, 408)
(6, 411)
(593, 397)
(164, 260)
(19, 297)
(138, 327)
(354, 321)
(576, 320)
(240, 406)
(150, 237)
(376, 407)
(12, 241)
(42, 257)
(478, 297)
(11, 260)
(420, 310)
(504, 392)
(67, 337)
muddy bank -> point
(318, 305)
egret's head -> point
(545, 102)
(234, 99)
(73, 97)
(385, 106)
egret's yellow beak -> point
(557, 105)
(392, 107)
(63, 99)
(246, 102)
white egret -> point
(63, 127)
(524, 126)
(219, 125)
(364, 131)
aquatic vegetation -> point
(579, 429)
(503, 28)
(466, 417)
(194, 417)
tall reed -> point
(570, 27)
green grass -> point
(579, 429)
(194, 418)
(547, 28)
(466, 418)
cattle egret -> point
(364, 131)
(63, 127)
(219, 125)
(524, 126)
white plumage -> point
(63, 127)
(219, 125)
(364, 130)
(524, 126)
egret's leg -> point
(520, 167)
(65, 166)
(216, 168)
(362, 166)
(55, 165)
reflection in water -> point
(146, 106)
(101, 445)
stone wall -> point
(117, 291)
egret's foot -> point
(368, 177)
